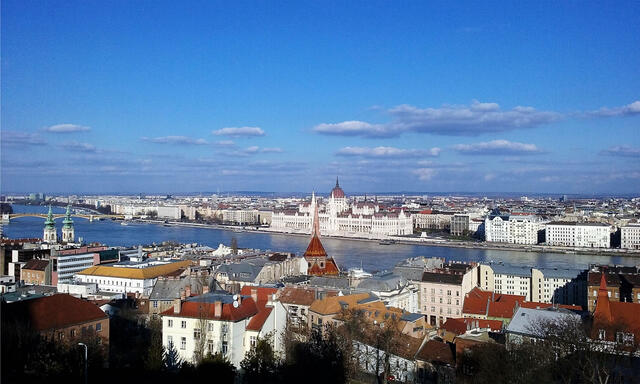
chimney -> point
(187, 290)
(254, 294)
(182, 296)
(205, 289)
(217, 309)
(177, 306)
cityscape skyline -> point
(279, 98)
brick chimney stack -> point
(217, 309)
(254, 294)
(187, 290)
(205, 289)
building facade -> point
(583, 235)
(630, 236)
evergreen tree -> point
(172, 360)
(260, 364)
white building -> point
(513, 229)
(583, 235)
(240, 216)
(543, 285)
(128, 277)
(630, 236)
(223, 323)
(339, 217)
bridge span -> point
(6, 218)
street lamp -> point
(85, 361)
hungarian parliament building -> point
(337, 216)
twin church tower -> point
(51, 235)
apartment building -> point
(442, 291)
(630, 236)
(583, 235)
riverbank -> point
(431, 242)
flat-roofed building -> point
(630, 236)
(127, 277)
(583, 235)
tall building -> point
(50, 234)
(67, 227)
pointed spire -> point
(49, 221)
(67, 217)
(603, 307)
(337, 183)
(316, 219)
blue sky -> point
(153, 96)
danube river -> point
(348, 253)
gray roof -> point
(245, 271)
(169, 289)
(329, 282)
(383, 282)
(506, 269)
(528, 321)
(411, 317)
(560, 273)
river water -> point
(348, 253)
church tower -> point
(50, 235)
(315, 255)
(67, 227)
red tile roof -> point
(315, 247)
(54, 312)
(262, 294)
(460, 326)
(36, 265)
(330, 268)
(436, 351)
(197, 309)
(487, 303)
(297, 296)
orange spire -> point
(603, 307)
(315, 247)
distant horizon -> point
(349, 194)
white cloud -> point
(425, 174)
(225, 143)
(67, 128)
(239, 131)
(622, 151)
(354, 128)
(466, 120)
(179, 140)
(387, 152)
(497, 148)
(79, 147)
(20, 138)
(625, 110)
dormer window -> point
(602, 334)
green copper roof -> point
(49, 222)
(67, 222)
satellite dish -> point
(235, 304)
(235, 297)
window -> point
(72, 333)
(253, 341)
(169, 323)
(602, 334)
(183, 324)
(170, 340)
(225, 348)
(196, 334)
(210, 328)
(155, 304)
(210, 346)
(183, 343)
